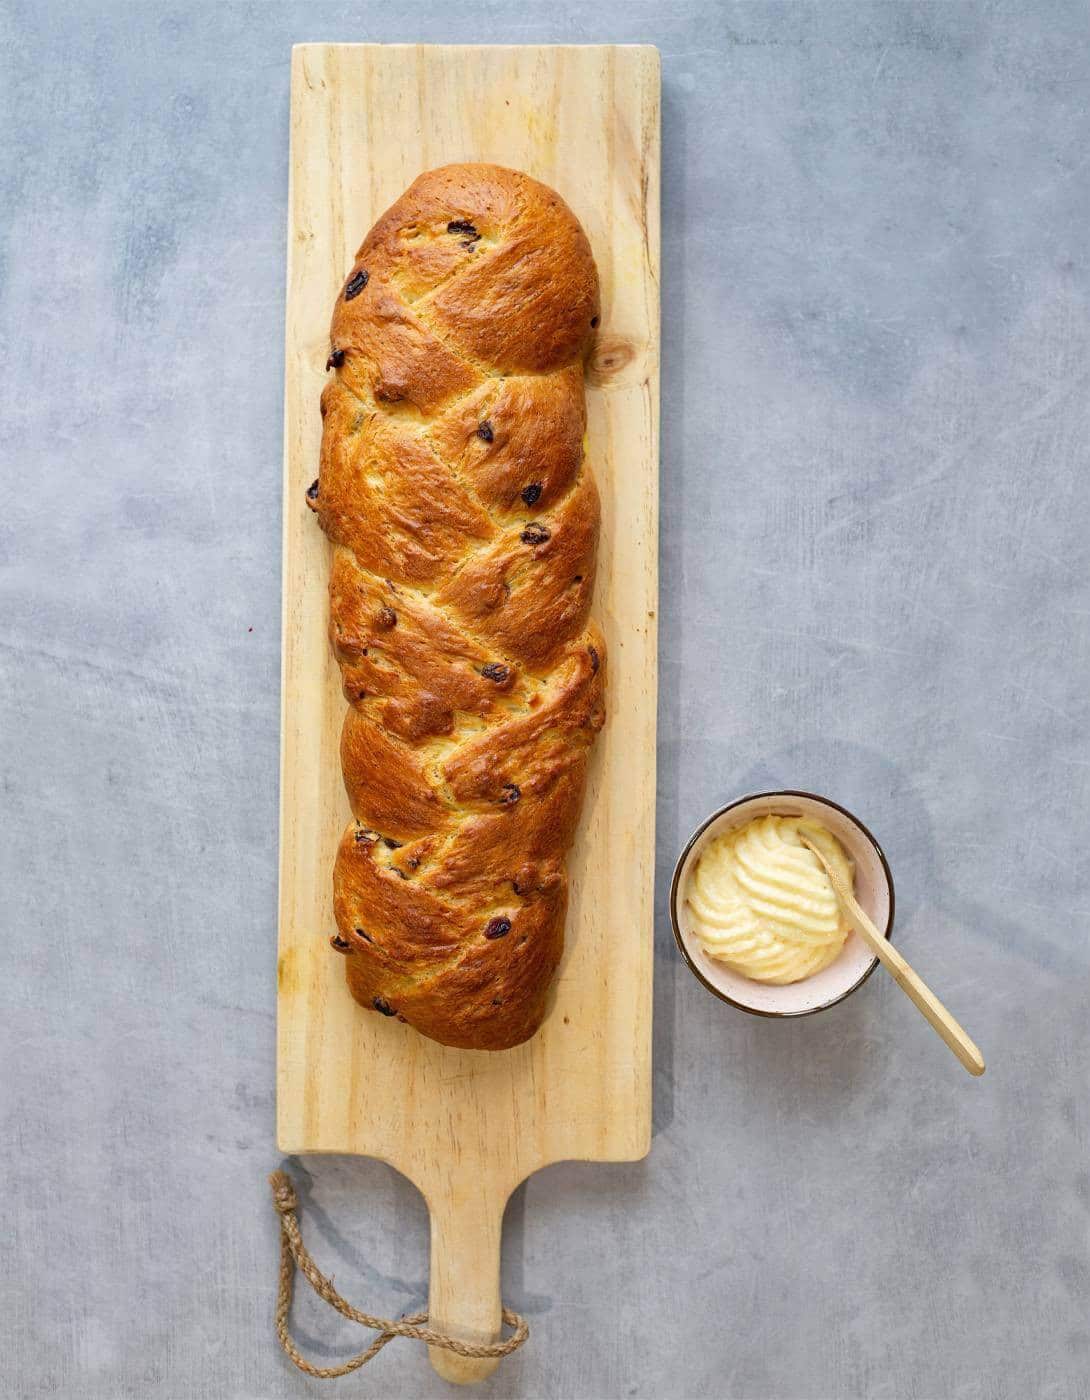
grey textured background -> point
(874, 584)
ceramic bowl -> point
(855, 963)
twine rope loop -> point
(294, 1255)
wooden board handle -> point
(464, 1289)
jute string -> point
(294, 1255)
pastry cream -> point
(762, 904)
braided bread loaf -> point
(465, 523)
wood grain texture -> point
(468, 1126)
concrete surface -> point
(874, 584)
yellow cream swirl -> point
(762, 904)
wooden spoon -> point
(910, 982)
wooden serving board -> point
(467, 1127)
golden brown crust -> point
(465, 519)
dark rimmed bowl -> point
(873, 890)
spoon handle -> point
(909, 981)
